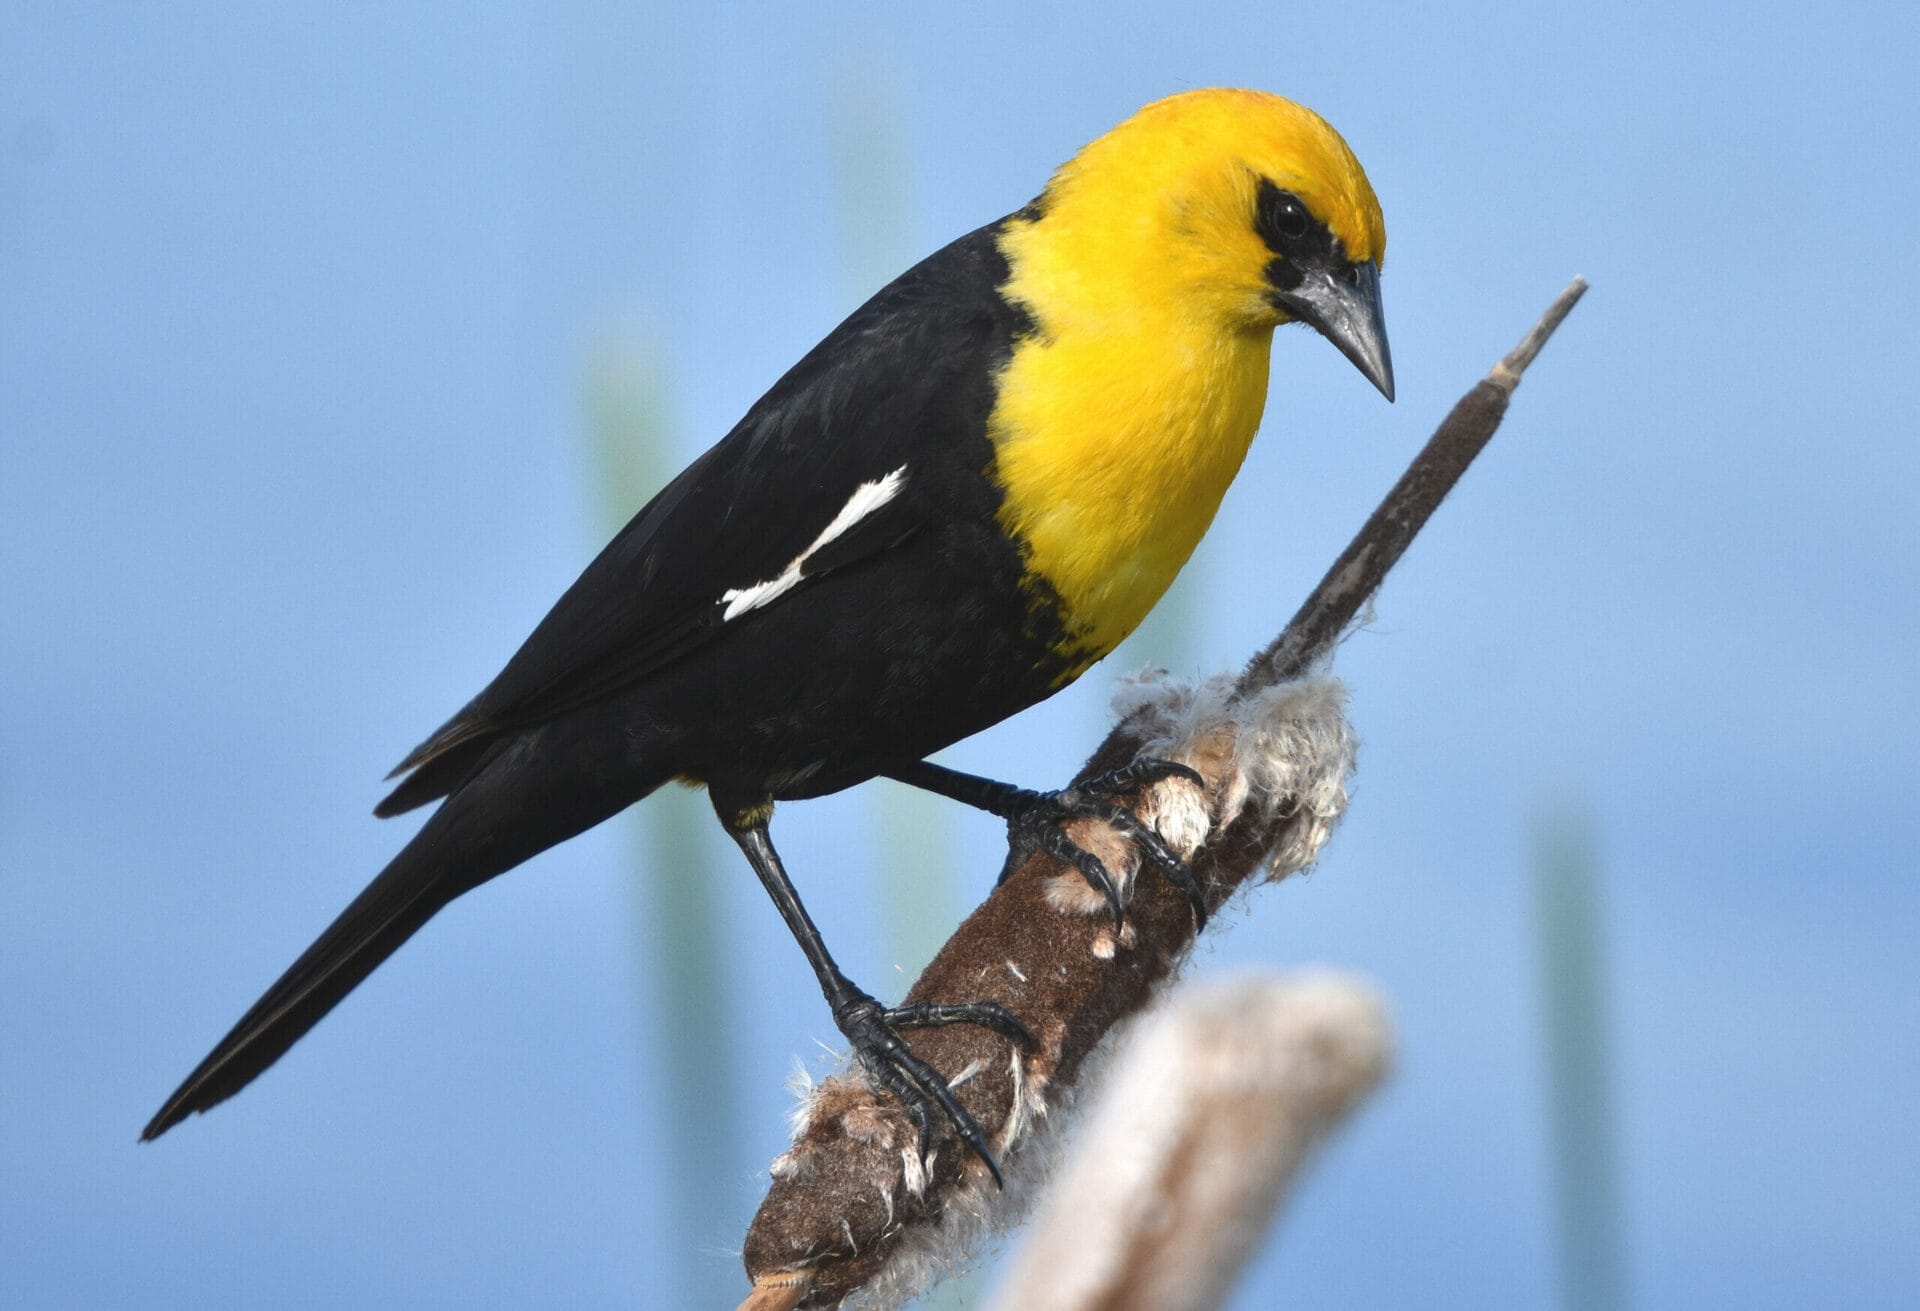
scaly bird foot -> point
(1035, 819)
(873, 1032)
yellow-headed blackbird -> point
(969, 492)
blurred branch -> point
(1200, 1132)
(852, 1206)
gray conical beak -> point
(1343, 305)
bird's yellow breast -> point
(1115, 436)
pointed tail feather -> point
(514, 808)
(437, 777)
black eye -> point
(1290, 218)
(1283, 220)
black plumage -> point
(912, 629)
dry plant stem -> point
(1354, 577)
(851, 1203)
(1200, 1129)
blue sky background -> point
(297, 307)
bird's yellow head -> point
(1228, 209)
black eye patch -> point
(1288, 228)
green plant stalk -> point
(1578, 1060)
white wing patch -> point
(866, 498)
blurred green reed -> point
(1579, 1067)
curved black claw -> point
(872, 1030)
(1036, 827)
(1034, 821)
(1161, 856)
(1137, 774)
(986, 1014)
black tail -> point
(517, 805)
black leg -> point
(870, 1028)
(1034, 820)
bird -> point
(964, 496)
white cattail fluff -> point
(1287, 747)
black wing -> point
(900, 391)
